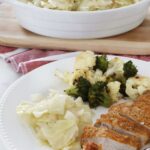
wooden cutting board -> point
(134, 42)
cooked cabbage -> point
(80, 5)
(54, 116)
(54, 133)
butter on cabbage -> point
(54, 116)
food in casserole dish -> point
(81, 5)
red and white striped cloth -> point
(25, 60)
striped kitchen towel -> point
(25, 60)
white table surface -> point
(7, 77)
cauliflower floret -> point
(114, 88)
(115, 68)
(93, 77)
(65, 76)
(90, 75)
(78, 73)
(137, 86)
(85, 60)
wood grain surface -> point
(134, 42)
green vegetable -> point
(130, 69)
(95, 94)
(98, 96)
(80, 89)
(101, 63)
(122, 90)
(73, 91)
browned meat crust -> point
(92, 146)
(93, 132)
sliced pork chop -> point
(139, 110)
(139, 113)
(142, 101)
(125, 126)
(92, 146)
(121, 107)
(110, 139)
(144, 98)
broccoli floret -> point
(73, 91)
(101, 63)
(106, 99)
(83, 86)
(123, 81)
(130, 69)
(98, 95)
(80, 89)
(95, 94)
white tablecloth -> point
(7, 77)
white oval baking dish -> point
(80, 25)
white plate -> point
(16, 136)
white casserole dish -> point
(79, 24)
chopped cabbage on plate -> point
(54, 116)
